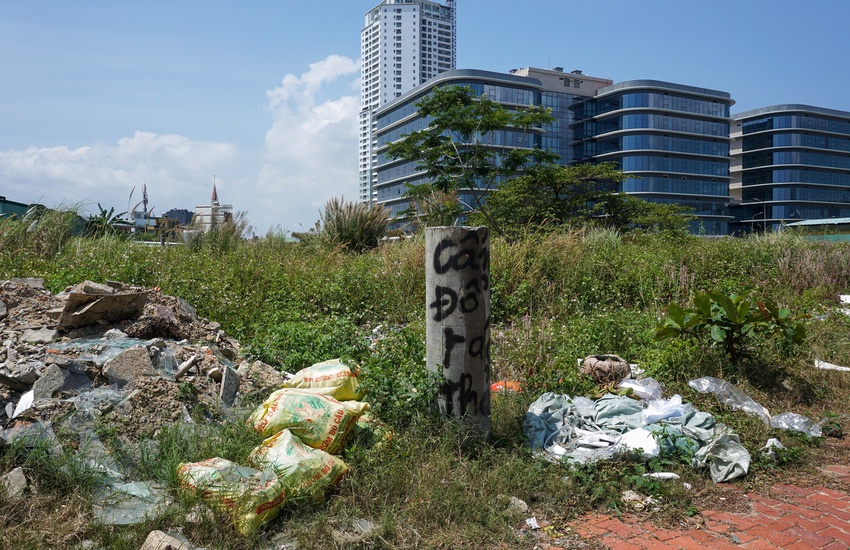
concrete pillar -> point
(457, 294)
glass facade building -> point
(526, 87)
(790, 163)
(671, 140)
(403, 43)
(401, 117)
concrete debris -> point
(39, 336)
(3, 310)
(128, 366)
(14, 483)
(50, 382)
(113, 352)
(157, 540)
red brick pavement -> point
(788, 517)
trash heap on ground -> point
(644, 425)
(132, 358)
(307, 422)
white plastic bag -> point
(661, 409)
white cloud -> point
(309, 155)
(177, 170)
(311, 147)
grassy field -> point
(555, 298)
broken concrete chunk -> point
(25, 372)
(185, 366)
(40, 336)
(32, 282)
(229, 386)
(3, 310)
(186, 312)
(157, 540)
(50, 382)
(87, 309)
(14, 483)
(10, 382)
(90, 287)
(129, 364)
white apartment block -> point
(403, 43)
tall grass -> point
(555, 298)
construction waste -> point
(131, 358)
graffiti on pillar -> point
(470, 257)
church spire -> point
(214, 198)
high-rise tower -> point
(403, 43)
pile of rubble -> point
(130, 356)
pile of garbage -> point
(644, 425)
(113, 354)
(308, 422)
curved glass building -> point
(527, 87)
(790, 163)
(671, 140)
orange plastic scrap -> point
(506, 386)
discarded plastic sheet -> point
(730, 395)
(796, 422)
(556, 431)
(647, 389)
(829, 366)
(725, 456)
(662, 409)
(97, 456)
(532, 523)
(770, 448)
(640, 440)
(24, 403)
(33, 435)
(90, 401)
(129, 503)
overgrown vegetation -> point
(556, 297)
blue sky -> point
(98, 96)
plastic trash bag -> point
(647, 389)
(796, 422)
(725, 456)
(640, 440)
(770, 448)
(129, 503)
(662, 409)
(730, 395)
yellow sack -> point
(251, 496)
(334, 375)
(319, 421)
(303, 471)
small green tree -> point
(459, 149)
(551, 196)
(730, 321)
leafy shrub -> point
(730, 321)
(398, 386)
(295, 344)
